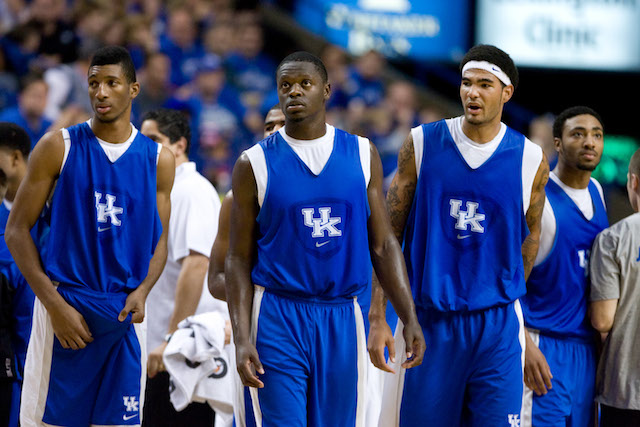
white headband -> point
(488, 66)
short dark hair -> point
(302, 56)
(14, 137)
(634, 163)
(30, 78)
(275, 107)
(558, 123)
(489, 53)
(172, 123)
(115, 55)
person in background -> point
(195, 205)
(29, 113)
(615, 292)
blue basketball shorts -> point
(472, 371)
(101, 384)
(570, 401)
(314, 358)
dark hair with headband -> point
(489, 53)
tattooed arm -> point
(537, 374)
(534, 217)
(399, 201)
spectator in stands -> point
(541, 132)
(365, 89)
(180, 44)
(337, 64)
(391, 122)
(8, 83)
(156, 87)
(216, 122)
(251, 69)
(20, 47)
(59, 42)
(29, 113)
(219, 38)
(140, 39)
(67, 100)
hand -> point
(134, 305)
(248, 363)
(70, 327)
(380, 336)
(154, 361)
(415, 344)
(537, 375)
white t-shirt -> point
(193, 225)
(476, 154)
(314, 153)
(112, 150)
(580, 196)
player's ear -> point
(507, 93)
(134, 89)
(327, 91)
(181, 145)
(557, 143)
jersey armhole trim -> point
(258, 162)
(364, 148)
(531, 161)
(67, 147)
(417, 135)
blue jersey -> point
(23, 297)
(466, 227)
(556, 300)
(104, 219)
(313, 239)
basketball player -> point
(273, 121)
(15, 146)
(308, 203)
(467, 199)
(106, 248)
(615, 291)
(195, 205)
(560, 339)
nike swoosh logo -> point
(463, 237)
(128, 417)
(103, 229)
(318, 244)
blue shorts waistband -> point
(312, 299)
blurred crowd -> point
(204, 57)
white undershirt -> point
(113, 151)
(315, 153)
(582, 199)
(476, 154)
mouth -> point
(295, 106)
(103, 109)
(589, 155)
(473, 108)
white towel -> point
(198, 365)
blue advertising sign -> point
(429, 29)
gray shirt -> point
(615, 274)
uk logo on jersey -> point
(514, 420)
(321, 224)
(583, 256)
(107, 212)
(468, 218)
(325, 224)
